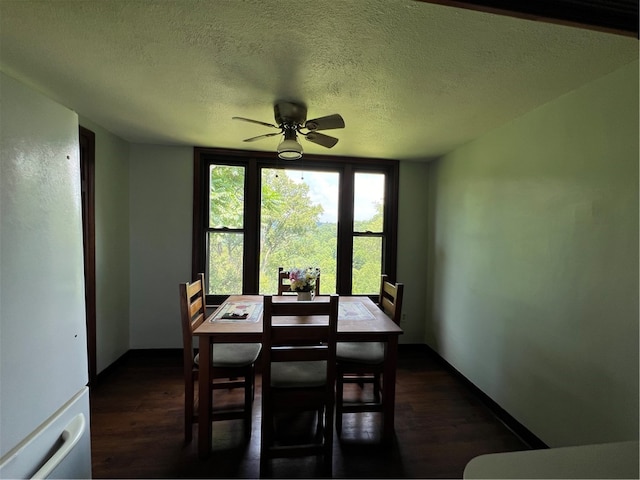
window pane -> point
(226, 196)
(368, 202)
(298, 225)
(367, 265)
(224, 263)
(368, 209)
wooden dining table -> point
(239, 320)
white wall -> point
(535, 264)
(112, 244)
(160, 223)
(412, 248)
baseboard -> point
(413, 348)
(155, 352)
(510, 422)
(111, 368)
(137, 353)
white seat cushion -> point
(371, 353)
(233, 354)
(298, 374)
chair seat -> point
(371, 353)
(233, 354)
(298, 374)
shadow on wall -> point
(435, 262)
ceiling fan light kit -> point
(291, 119)
(289, 148)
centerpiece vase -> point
(304, 296)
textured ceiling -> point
(412, 80)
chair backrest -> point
(303, 339)
(285, 286)
(390, 300)
(193, 311)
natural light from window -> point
(298, 225)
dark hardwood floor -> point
(137, 427)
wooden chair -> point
(235, 363)
(284, 286)
(363, 362)
(299, 361)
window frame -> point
(254, 162)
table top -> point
(239, 319)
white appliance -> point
(44, 398)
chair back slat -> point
(195, 287)
(302, 353)
(302, 335)
(390, 300)
(283, 281)
(193, 310)
(388, 306)
(299, 308)
(197, 321)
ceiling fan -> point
(291, 120)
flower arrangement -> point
(303, 279)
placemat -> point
(239, 312)
(353, 311)
(252, 312)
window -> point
(225, 229)
(368, 232)
(254, 213)
(298, 224)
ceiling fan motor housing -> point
(291, 114)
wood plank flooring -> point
(137, 427)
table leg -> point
(389, 388)
(204, 397)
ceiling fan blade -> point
(253, 139)
(325, 123)
(255, 121)
(321, 139)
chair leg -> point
(339, 399)
(328, 440)
(188, 413)
(266, 439)
(376, 388)
(253, 383)
(264, 467)
(320, 426)
(248, 402)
